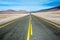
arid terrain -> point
(9, 17)
(53, 16)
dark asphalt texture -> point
(41, 31)
(19, 29)
(16, 30)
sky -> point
(28, 4)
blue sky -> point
(28, 4)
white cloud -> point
(4, 2)
(25, 7)
(36, 2)
(22, 2)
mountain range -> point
(13, 12)
(56, 8)
(23, 11)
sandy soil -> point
(53, 16)
(9, 17)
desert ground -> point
(53, 16)
(9, 17)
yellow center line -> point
(29, 29)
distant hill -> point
(57, 7)
(50, 9)
(21, 11)
(13, 12)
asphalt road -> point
(41, 30)
(18, 30)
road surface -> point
(19, 30)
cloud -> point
(24, 7)
(4, 2)
(36, 1)
(44, 1)
(24, 2)
(54, 3)
(27, 4)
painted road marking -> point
(58, 26)
(8, 23)
(29, 28)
